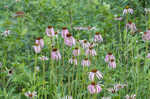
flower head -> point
(40, 41)
(37, 48)
(90, 51)
(86, 62)
(69, 40)
(50, 31)
(76, 51)
(130, 25)
(84, 43)
(73, 60)
(93, 73)
(146, 36)
(112, 63)
(94, 88)
(64, 32)
(98, 37)
(127, 10)
(30, 94)
(108, 57)
(55, 54)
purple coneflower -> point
(55, 54)
(112, 63)
(93, 73)
(76, 51)
(148, 55)
(108, 57)
(86, 62)
(64, 32)
(40, 41)
(84, 43)
(146, 36)
(69, 40)
(127, 10)
(98, 37)
(130, 25)
(73, 60)
(93, 88)
(90, 51)
(50, 31)
(37, 48)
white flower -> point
(30, 94)
(93, 73)
(127, 10)
(37, 48)
(6, 33)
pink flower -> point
(148, 30)
(98, 37)
(64, 32)
(76, 51)
(86, 62)
(127, 10)
(112, 63)
(93, 88)
(69, 40)
(50, 31)
(84, 43)
(146, 36)
(131, 97)
(108, 57)
(37, 48)
(40, 41)
(73, 60)
(43, 58)
(148, 55)
(90, 51)
(55, 54)
(131, 26)
(93, 73)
